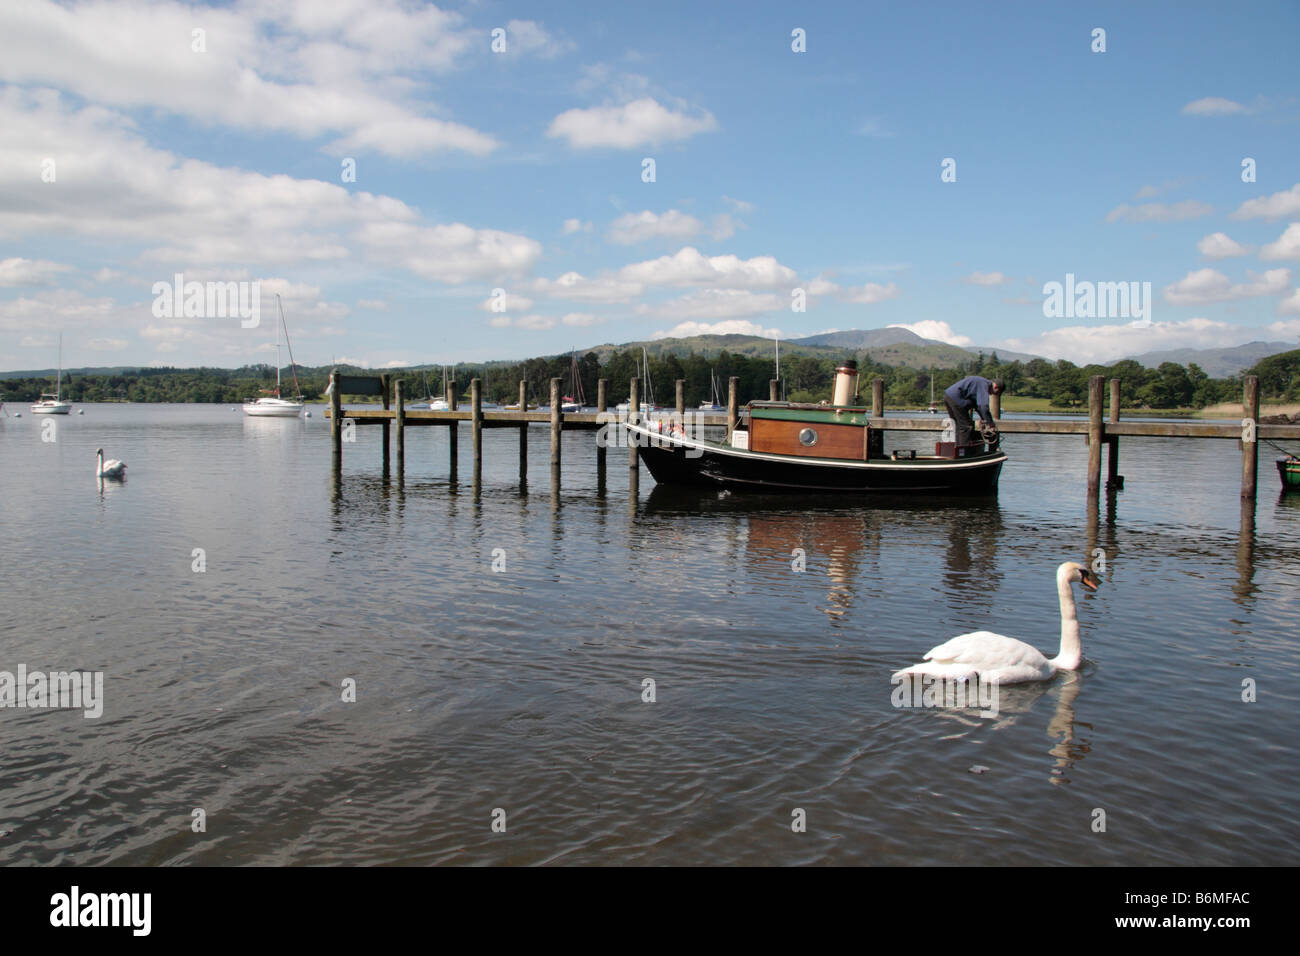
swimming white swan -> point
(111, 468)
(1004, 660)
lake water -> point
(522, 690)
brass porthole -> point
(808, 437)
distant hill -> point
(865, 339)
(1217, 363)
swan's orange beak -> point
(1090, 580)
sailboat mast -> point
(58, 381)
(277, 358)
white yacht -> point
(273, 406)
(49, 402)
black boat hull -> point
(678, 461)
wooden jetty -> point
(1098, 430)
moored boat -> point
(792, 447)
(271, 405)
(1288, 470)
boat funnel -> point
(846, 383)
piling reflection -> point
(1245, 588)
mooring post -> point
(681, 400)
(1250, 438)
(601, 385)
(1113, 478)
(400, 391)
(556, 425)
(633, 408)
(1096, 431)
(733, 405)
(523, 430)
(336, 418)
(995, 406)
(773, 389)
(453, 434)
(476, 425)
(384, 389)
(877, 398)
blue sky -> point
(521, 170)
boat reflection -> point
(843, 541)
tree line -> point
(805, 379)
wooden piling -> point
(681, 398)
(453, 436)
(773, 390)
(877, 398)
(383, 385)
(733, 405)
(601, 399)
(476, 425)
(555, 423)
(633, 410)
(523, 430)
(995, 406)
(1096, 431)
(401, 425)
(336, 418)
(1114, 480)
(1250, 449)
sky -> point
(475, 181)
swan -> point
(111, 468)
(1004, 660)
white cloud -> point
(1286, 247)
(113, 186)
(717, 304)
(871, 293)
(934, 329)
(1204, 286)
(576, 225)
(636, 227)
(1083, 344)
(688, 266)
(581, 319)
(506, 303)
(739, 206)
(372, 305)
(1213, 106)
(1289, 306)
(1284, 203)
(348, 69)
(1218, 246)
(449, 253)
(1160, 212)
(18, 271)
(107, 275)
(528, 36)
(987, 278)
(638, 123)
(732, 327)
(573, 285)
(531, 322)
(106, 345)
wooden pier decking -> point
(1098, 431)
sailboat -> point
(274, 406)
(576, 400)
(441, 404)
(51, 404)
(934, 409)
(648, 405)
(713, 406)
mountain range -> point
(888, 346)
